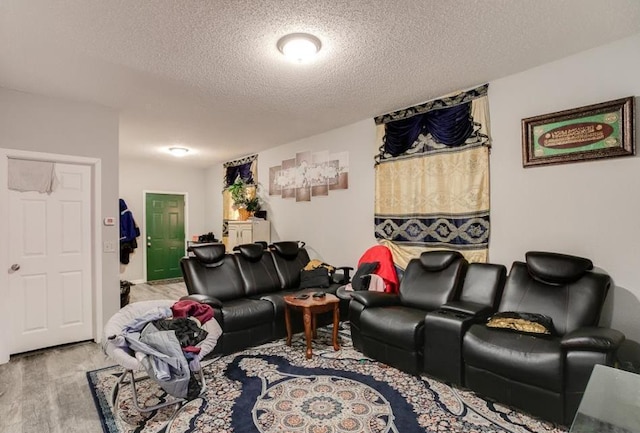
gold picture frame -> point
(604, 130)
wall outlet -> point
(109, 247)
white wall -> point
(337, 228)
(42, 124)
(213, 203)
(137, 176)
(588, 208)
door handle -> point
(15, 267)
(148, 244)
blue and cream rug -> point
(273, 388)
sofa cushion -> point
(246, 313)
(529, 323)
(287, 249)
(432, 280)
(397, 326)
(251, 252)
(556, 268)
(221, 280)
(289, 259)
(435, 261)
(520, 357)
(571, 306)
(208, 254)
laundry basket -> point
(132, 364)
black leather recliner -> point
(214, 278)
(390, 327)
(247, 289)
(445, 327)
(544, 375)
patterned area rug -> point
(273, 388)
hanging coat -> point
(129, 231)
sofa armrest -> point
(204, 299)
(344, 277)
(473, 309)
(592, 338)
(376, 299)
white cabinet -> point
(247, 232)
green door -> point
(165, 235)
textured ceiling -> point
(207, 74)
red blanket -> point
(386, 270)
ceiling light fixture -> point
(178, 151)
(299, 47)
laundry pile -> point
(169, 343)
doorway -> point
(51, 281)
(164, 235)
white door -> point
(50, 286)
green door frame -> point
(172, 245)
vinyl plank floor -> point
(46, 391)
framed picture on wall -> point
(597, 131)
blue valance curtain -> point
(241, 168)
(432, 177)
(449, 126)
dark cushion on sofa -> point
(556, 268)
(289, 259)
(245, 313)
(357, 282)
(436, 261)
(208, 254)
(287, 249)
(251, 252)
(258, 276)
(432, 280)
(523, 358)
(570, 306)
(399, 326)
(221, 281)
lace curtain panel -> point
(432, 177)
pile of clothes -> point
(166, 341)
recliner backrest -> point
(483, 284)
(560, 286)
(433, 279)
(257, 270)
(209, 271)
(290, 258)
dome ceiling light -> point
(178, 151)
(299, 47)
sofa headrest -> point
(208, 254)
(251, 252)
(287, 249)
(435, 261)
(556, 268)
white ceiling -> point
(207, 74)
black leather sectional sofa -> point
(246, 289)
(436, 325)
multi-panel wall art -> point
(310, 174)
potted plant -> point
(253, 204)
(238, 191)
(244, 200)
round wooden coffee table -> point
(310, 308)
